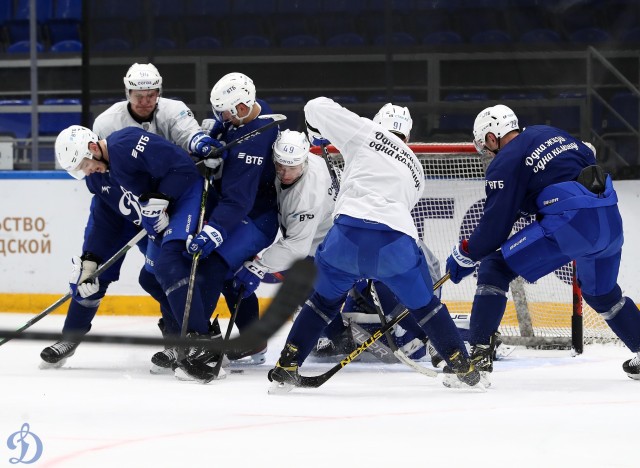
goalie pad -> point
(360, 310)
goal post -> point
(547, 313)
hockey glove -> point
(154, 212)
(315, 138)
(459, 265)
(82, 268)
(203, 145)
(206, 241)
(248, 277)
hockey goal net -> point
(548, 313)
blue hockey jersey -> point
(143, 162)
(247, 185)
(537, 158)
(114, 219)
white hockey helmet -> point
(396, 119)
(498, 119)
(141, 76)
(72, 146)
(230, 90)
(291, 148)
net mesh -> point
(452, 204)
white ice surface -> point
(104, 409)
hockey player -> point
(305, 199)
(245, 219)
(146, 108)
(165, 182)
(543, 171)
(373, 236)
(338, 339)
(170, 119)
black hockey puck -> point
(237, 371)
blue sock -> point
(173, 271)
(310, 323)
(82, 310)
(440, 328)
(486, 314)
(626, 324)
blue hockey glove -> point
(248, 277)
(459, 265)
(315, 137)
(82, 268)
(154, 212)
(206, 241)
(202, 145)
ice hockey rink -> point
(104, 409)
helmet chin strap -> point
(249, 112)
(497, 150)
(102, 158)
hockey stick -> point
(227, 335)
(398, 353)
(277, 118)
(335, 181)
(293, 292)
(138, 237)
(317, 380)
(182, 352)
(378, 349)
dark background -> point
(573, 63)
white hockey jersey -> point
(304, 212)
(382, 179)
(172, 120)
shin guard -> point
(486, 313)
(437, 323)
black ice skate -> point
(341, 345)
(253, 357)
(460, 373)
(482, 356)
(201, 361)
(56, 355)
(436, 359)
(285, 374)
(632, 367)
(162, 362)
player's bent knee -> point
(426, 313)
(327, 309)
(605, 302)
(490, 290)
(495, 271)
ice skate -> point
(285, 374)
(436, 359)
(341, 345)
(482, 356)
(200, 361)
(254, 357)
(460, 373)
(162, 362)
(632, 367)
(195, 370)
(56, 355)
